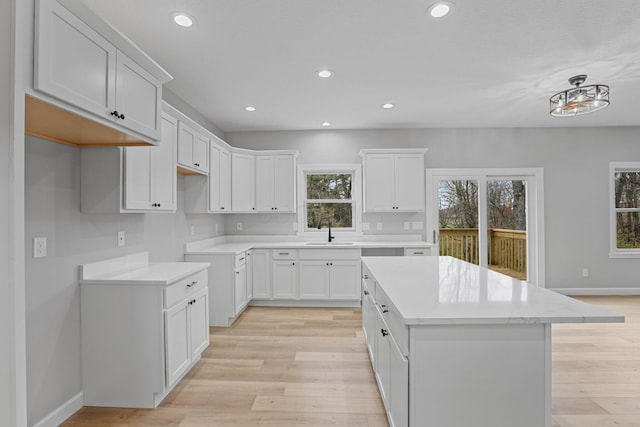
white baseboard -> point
(61, 413)
(597, 291)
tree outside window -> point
(329, 200)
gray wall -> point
(575, 163)
(52, 294)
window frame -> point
(356, 198)
(614, 251)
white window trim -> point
(535, 208)
(614, 251)
(356, 197)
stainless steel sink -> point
(329, 243)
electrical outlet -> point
(216, 227)
(39, 247)
(121, 240)
(193, 230)
(239, 226)
(365, 226)
(585, 272)
(406, 225)
(379, 226)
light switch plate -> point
(121, 240)
(406, 225)
(365, 226)
(39, 247)
(379, 226)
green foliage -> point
(326, 187)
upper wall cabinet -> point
(275, 183)
(82, 67)
(220, 179)
(193, 150)
(243, 192)
(393, 180)
(131, 179)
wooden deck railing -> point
(507, 248)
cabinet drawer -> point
(284, 254)
(180, 290)
(241, 259)
(397, 328)
(417, 251)
(330, 254)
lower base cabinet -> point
(138, 340)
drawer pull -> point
(366, 292)
(365, 276)
(384, 332)
(385, 311)
(241, 259)
(283, 253)
(418, 253)
(192, 284)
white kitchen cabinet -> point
(369, 316)
(193, 150)
(330, 274)
(139, 335)
(260, 273)
(275, 183)
(393, 180)
(284, 274)
(227, 279)
(220, 179)
(149, 173)
(249, 275)
(80, 66)
(130, 179)
(187, 334)
(243, 197)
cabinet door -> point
(379, 183)
(73, 62)
(398, 399)
(249, 275)
(178, 353)
(163, 166)
(137, 178)
(369, 321)
(240, 288)
(198, 323)
(219, 179)
(314, 279)
(242, 182)
(138, 96)
(344, 280)
(201, 153)
(261, 273)
(284, 190)
(409, 182)
(265, 183)
(284, 280)
(186, 142)
(382, 357)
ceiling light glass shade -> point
(325, 124)
(440, 9)
(388, 106)
(182, 19)
(250, 108)
(325, 73)
(579, 99)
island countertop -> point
(445, 290)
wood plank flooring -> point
(308, 367)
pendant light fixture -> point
(579, 99)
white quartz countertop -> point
(136, 269)
(445, 290)
(216, 247)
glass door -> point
(485, 217)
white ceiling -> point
(491, 63)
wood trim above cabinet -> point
(48, 121)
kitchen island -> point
(453, 344)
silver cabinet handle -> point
(192, 284)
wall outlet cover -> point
(193, 230)
(239, 226)
(406, 225)
(39, 247)
(365, 226)
(418, 225)
(121, 239)
(379, 226)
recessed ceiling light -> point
(325, 124)
(182, 19)
(388, 106)
(325, 73)
(250, 108)
(440, 9)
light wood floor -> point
(309, 367)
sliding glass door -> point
(491, 218)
